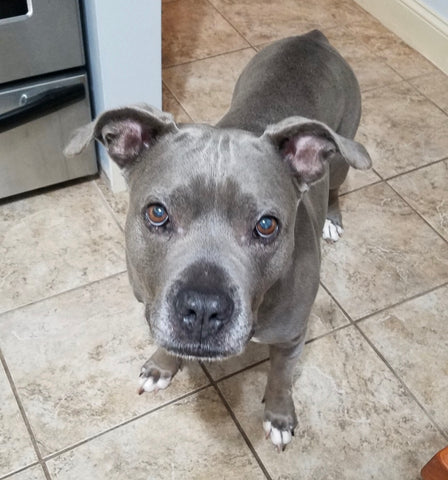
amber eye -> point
(266, 227)
(156, 215)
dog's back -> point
(262, 96)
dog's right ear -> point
(125, 132)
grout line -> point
(401, 381)
(107, 204)
(20, 470)
(189, 62)
(416, 169)
(425, 96)
(241, 370)
(232, 25)
(352, 322)
(24, 417)
(64, 450)
(229, 22)
(401, 302)
(178, 101)
(357, 189)
(164, 84)
(236, 422)
(264, 360)
(383, 359)
(329, 333)
(376, 312)
(58, 294)
(417, 212)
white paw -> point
(332, 232)
(152, 381)
(280, 438)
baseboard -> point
(416, 24)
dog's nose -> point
(203, 312)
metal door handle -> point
(42, 104)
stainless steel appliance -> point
(43, 94)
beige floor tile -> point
(357, 179)
(171, 105)
(194, 438)
(254, 353)
(16, 449)
(426, 190)
(325, 317)
(56, 241)
(262, 21)
(435, 87)
(75, 360)
(410, 337)
(371, 71)
(204, 88)
(401, 129)
(33, 473)
(387, 253)
(117, 201)
(356, 421)
(193, 29)
(389, 48)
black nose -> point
(202, 313)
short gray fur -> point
(209, 282)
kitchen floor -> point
(371, 389)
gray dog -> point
(224, 223)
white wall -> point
(124, 50)
(438, 6)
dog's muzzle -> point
(203, 316)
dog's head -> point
(212, 215)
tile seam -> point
(24, 416)
(177, 100)
(108, 206)
(237, 423)
(102, 433)
(417, 213)
(58, 294)
(402, 382)
(190, 62)
(231, 24)
(19, 470)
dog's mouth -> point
(201, 351)
(228, 342)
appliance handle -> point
(42, 104)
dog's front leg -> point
(157, 373)
(279, 414)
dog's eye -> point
(156, 215)
(266, 227)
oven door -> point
(38, 37)
(36, 122)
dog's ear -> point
(125, 132)
(307, 145)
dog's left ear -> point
(307, 145)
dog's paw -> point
(280, 435)
(332, 232)
(157, 373)
(153, 379)
(279, 422)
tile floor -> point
(372, 386)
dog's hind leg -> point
(333, 228)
